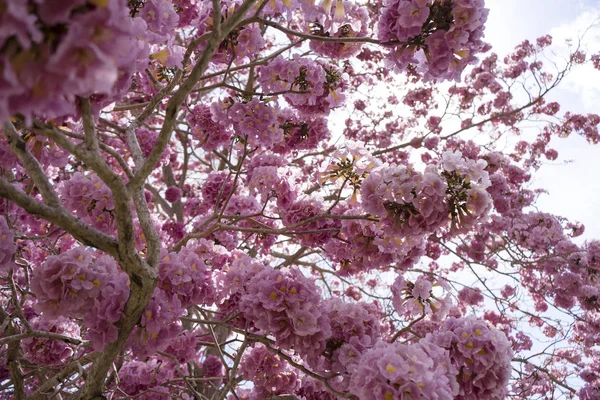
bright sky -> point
(574, 187)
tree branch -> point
(185, 88)
(61, 218)
(31, 164)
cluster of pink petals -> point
(312, 389)
(173, 194)
(147, 139)
(147, 380)
(354, 329)
(240, 45)
(302, 75)
(286, 305)
(267, 178)
(481, 354)
(209, 133)
(183, 347)
(249, 206)
(346, 20)
(301, 132)
(364, 245)
(438, 38)
(416, 298)
(160, 16)
(307, 85)
(46, 351)
(407, 202)
(216, 188)
(186, 276)
(254, 121)
(160, 323)
(403, 371)
(470, 296)
(270, 373)
(89, 199)
(86, 48)
(75, 284)
(319, 231)
(358, 249)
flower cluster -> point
(416, 298)
(217, 187)
(159, 325)
(231, 284)
(183, 347)
(359, 249)
(312, 389)
(354, 330)
(211, 134)
(46, 351)
(301, 132)
(365, 245)
(537, 232)
(248, 206)
(147, 139)
(212, 367)
(437, 37)
(319, 231)
(173, 194)
(53, 52)
(306, 85)
(268, 182)
(89, 199)
(409, 203)
(270, 374)
(349, 20)
(301, 79)
(471, 296)
(161, 18)
(189, 12)
(184, 280)
(267, 178)
(249, 42)
(75, 284)
(185, 275)
(254, 121)
(240, 44)
(146, 380)
(466, 181)
(286, 305)
(404, 371)
(481, 354)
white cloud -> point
(584, 83)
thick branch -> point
(89, 128)
(94, 160)
(141, 292)
(31, 164)
(39, 334)
(61, 218)
(186, 87)
(121, 197)
(14, 367)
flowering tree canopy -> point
(285, 199)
